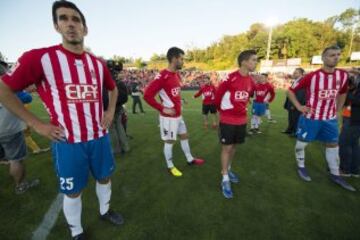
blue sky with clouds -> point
(140, 28)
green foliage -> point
(300, 37)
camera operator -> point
(349, 148)
(118, 134)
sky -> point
(141, 28)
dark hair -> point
(174, 52)
(3, 67)
(301, 70)
(334, 47)
(66, 4)
(245, 55)
(265, 74)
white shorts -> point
(171, 127)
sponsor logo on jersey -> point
(327, 94)
(241, 96)
(175, 91)
(81, 93)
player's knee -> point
(331, 145)
(73, 195)
(104, 181)
(183, 136)
(228, 148)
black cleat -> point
(113, 217)
(80, 236)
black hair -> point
(265, 74)
(301, 70)
(334, 47)
(245, 55)
(66, 4)
(174, 52)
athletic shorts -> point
(74, 161)
(232, 134)
(321, 130)
(13, 147)
(259, 109)
(206, 108)
(171, 127)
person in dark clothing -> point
(119, 139)
(349, 148)
(293, 113)
(136, 96)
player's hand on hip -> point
(107, 119)
(169, 111)
(304, 109)
(50, 131)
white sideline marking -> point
(49, 220)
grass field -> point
(270, 202)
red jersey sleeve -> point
(109, 82)
(199, 92)
(272, 92)
(27, 71)
(303, 83)
(151, 91)
(220, 92)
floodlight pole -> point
(269, 43)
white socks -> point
(103, 192)
(331, 155)
(226, 178)
(186, 149)
(168, 154)
(254, 123)
(268, 114)
(300, 153)
(72, 211)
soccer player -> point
(69, 81)
(264, 94)
(326, 91)
(207, 91)
(168, 86)
(232, 98)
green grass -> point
(270, 202)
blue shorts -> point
(259, 109)
(73, 161)
(321, 130)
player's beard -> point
(179, 66)
(76, 42)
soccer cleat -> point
(196, 161)
(41, 150)
(344, 174)
(113, 217)
(257, 131)
(340, 181)
(303, 174)
(272, 121)
(226, 189)
(175, 172)
(80, 236)
(26, 185)
(233, 177)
